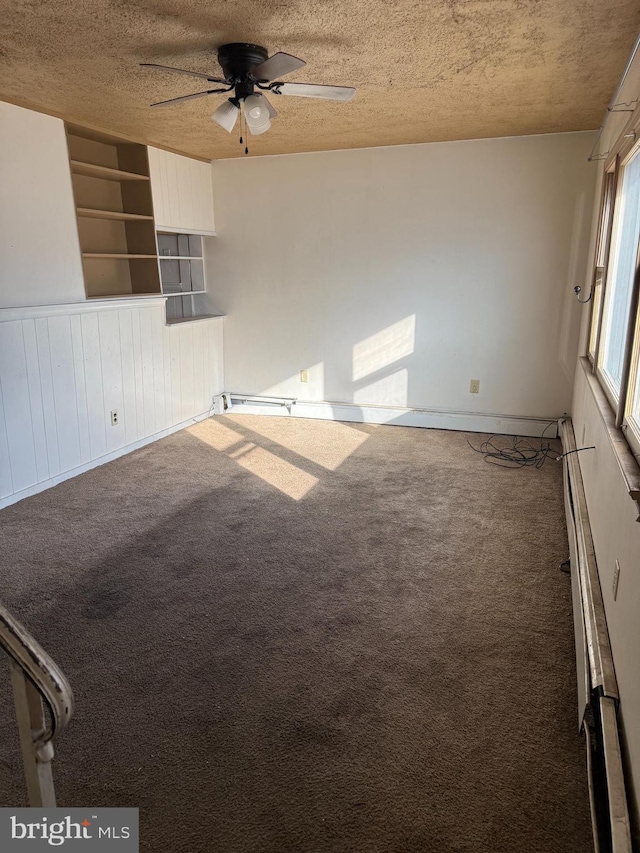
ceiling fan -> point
(247, 67)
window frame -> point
(625, 148)
(630, 429)
(601, 257)
(618, 400)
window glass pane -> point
(620, 279)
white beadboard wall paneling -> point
(137, 372)
(62, 374)
(112, 383)
(157, 355)
(176, 385)
(64, 392)
(127, 363)
(17, 411)
(95, 391)
(148, 392)
(35, 398)
(166, 369)
(80, 383)
(6, 480)
(48, 400)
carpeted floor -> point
(289, 635)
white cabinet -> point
(182, 193)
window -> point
(614, 335)
(621, 278)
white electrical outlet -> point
(474, 386)
(304, 376)
(114, 417)
(616, 580)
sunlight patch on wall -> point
(329, 444)
(385, 347)
(392, 390)
(275, 471)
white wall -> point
(396, 275)
(63, 370)
(39, 249)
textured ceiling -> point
(425, 70)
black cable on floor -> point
(512, 451)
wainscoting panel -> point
(65, 369)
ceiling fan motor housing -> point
(238, 60)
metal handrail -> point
(36, 679)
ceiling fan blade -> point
(181, 71)
(226, 115)
(312, 90)
(272, 110)
(187, 98)
(276, 66)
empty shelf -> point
(91, 170)
(182, 292)
(91, 213)
(178, 320)
(116, 255)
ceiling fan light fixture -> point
(256, 113)
(226, 115)
(245, 68)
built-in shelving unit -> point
(115, 214)
(182, 275)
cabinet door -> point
(202, 195)
(182, 193)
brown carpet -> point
(289, 635)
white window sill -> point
(628, 463)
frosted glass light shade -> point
(256, 113)
(226, 115)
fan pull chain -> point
(242, 119)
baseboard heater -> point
(226, 401)
(598, 696)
